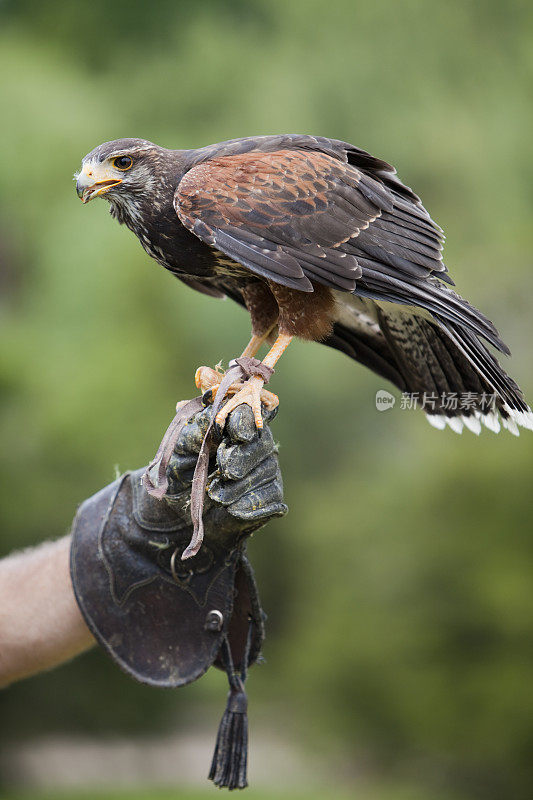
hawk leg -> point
(264, 313)
(251, 391)
(208, 379)
(254, 345)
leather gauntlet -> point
(165, 621)
(160, 618)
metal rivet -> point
(214, 620)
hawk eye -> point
(122, 162)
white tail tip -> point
(492, 421)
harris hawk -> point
(318, 239)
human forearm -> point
(40, 623)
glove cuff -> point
(161, 619)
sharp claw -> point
(208, 397)
(250, 394)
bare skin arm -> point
(40, 623)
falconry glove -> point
(166, 620)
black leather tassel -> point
(230, 759)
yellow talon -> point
(250, 392)
(206, 378)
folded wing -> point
(292, 216)
(334, 215)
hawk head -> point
(125, 172)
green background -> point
(399, 588)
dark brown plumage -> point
(319, 240)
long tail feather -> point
(444, 365)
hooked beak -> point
(92, 181)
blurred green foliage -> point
(382, 792)
(399, 588)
